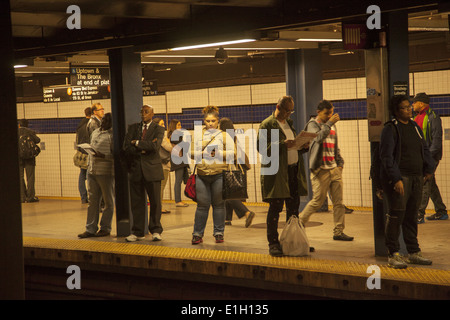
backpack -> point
(28, 149)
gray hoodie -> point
(316, 147)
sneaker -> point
(197, 240)
(219, 238)
(35, 199)
(156, 237)
(438, 216)
(228, 223)
(420, 220)
(396, 261)
(343, 237)
(249, 219)
(86, 235)
(133, 238)
(102, 233)
(417, 258)
(275, 250)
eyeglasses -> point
(288, 111)
(100, 109)
(405, 108)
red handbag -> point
(189, 190)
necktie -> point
(144, 131)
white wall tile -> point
(69, 172)
(20, 111)
(176, 100)
(157, 102)
(48, 173)
(230, 96)
(73, 109)
(40, 110)
(267, 93)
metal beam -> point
(11, 248)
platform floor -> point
(65, 219)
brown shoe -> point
(86, 235)
(102, 233)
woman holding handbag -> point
(236, 205)
(179, 169)
(164, 153)
(214, 152)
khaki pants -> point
(323, 180)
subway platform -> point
(239, 268)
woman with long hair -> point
(164, 153)
(236, 205)
(181, 168)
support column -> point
(11, 248)
(397, 77)
(304, 84)
(126, 102)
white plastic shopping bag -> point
(293, 239)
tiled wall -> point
(247, 106)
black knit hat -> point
(422, 97)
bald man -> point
(141, 145)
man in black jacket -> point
(27, 191)
(141, 145)
(406, 163)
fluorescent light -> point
(180, 56)
(205, 45)
(320, 40)
(20, 66)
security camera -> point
(221, 56)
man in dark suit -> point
(141, 146)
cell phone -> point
(210, 149)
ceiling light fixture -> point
(216, 44)
(320, 40)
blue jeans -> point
(82, 185)
(100, 186)
(209, 193)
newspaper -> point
(304, 138)
(88, 148)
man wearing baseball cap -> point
(431, 125)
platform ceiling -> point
(151, 27)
